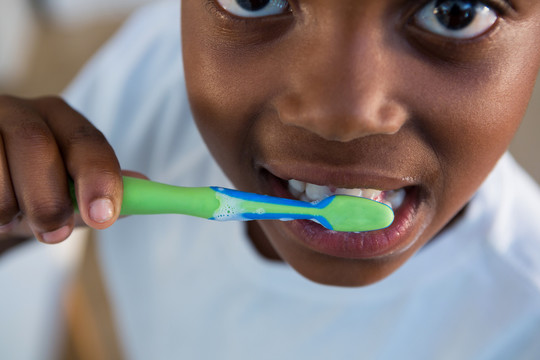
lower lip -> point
(366, 245)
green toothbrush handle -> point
(145, 197)
(340, 213)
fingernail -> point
(101, 210)
(56, 236)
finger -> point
(134, 174)
(89, 160)
(37, 171)
(78, 219)
(9, 209)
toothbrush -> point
(337, 212)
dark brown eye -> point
(455, 15)
(460, 19)
(254, 8)
(252, 5)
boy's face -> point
(416, 98)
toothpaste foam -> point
(229, 208)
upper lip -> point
(350, 177)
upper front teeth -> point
(317, 192)
(297, 187)
(311, 192)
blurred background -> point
(43, 44)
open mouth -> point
(311, 192)
(404, 201)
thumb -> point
(134, 174)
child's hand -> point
(44, 142)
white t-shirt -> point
(187, 288)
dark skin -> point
(354, 94)
(343, 87)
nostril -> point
(343, 128)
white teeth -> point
(350, 192)
(317, 192)
(297, 187)
(395, 197)
(372, 194)
(311, 192)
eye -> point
(254, 8)
(458, 19)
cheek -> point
(217, 102)
(469, 124)
(489, 102)
(227, 94)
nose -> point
(343, 89)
